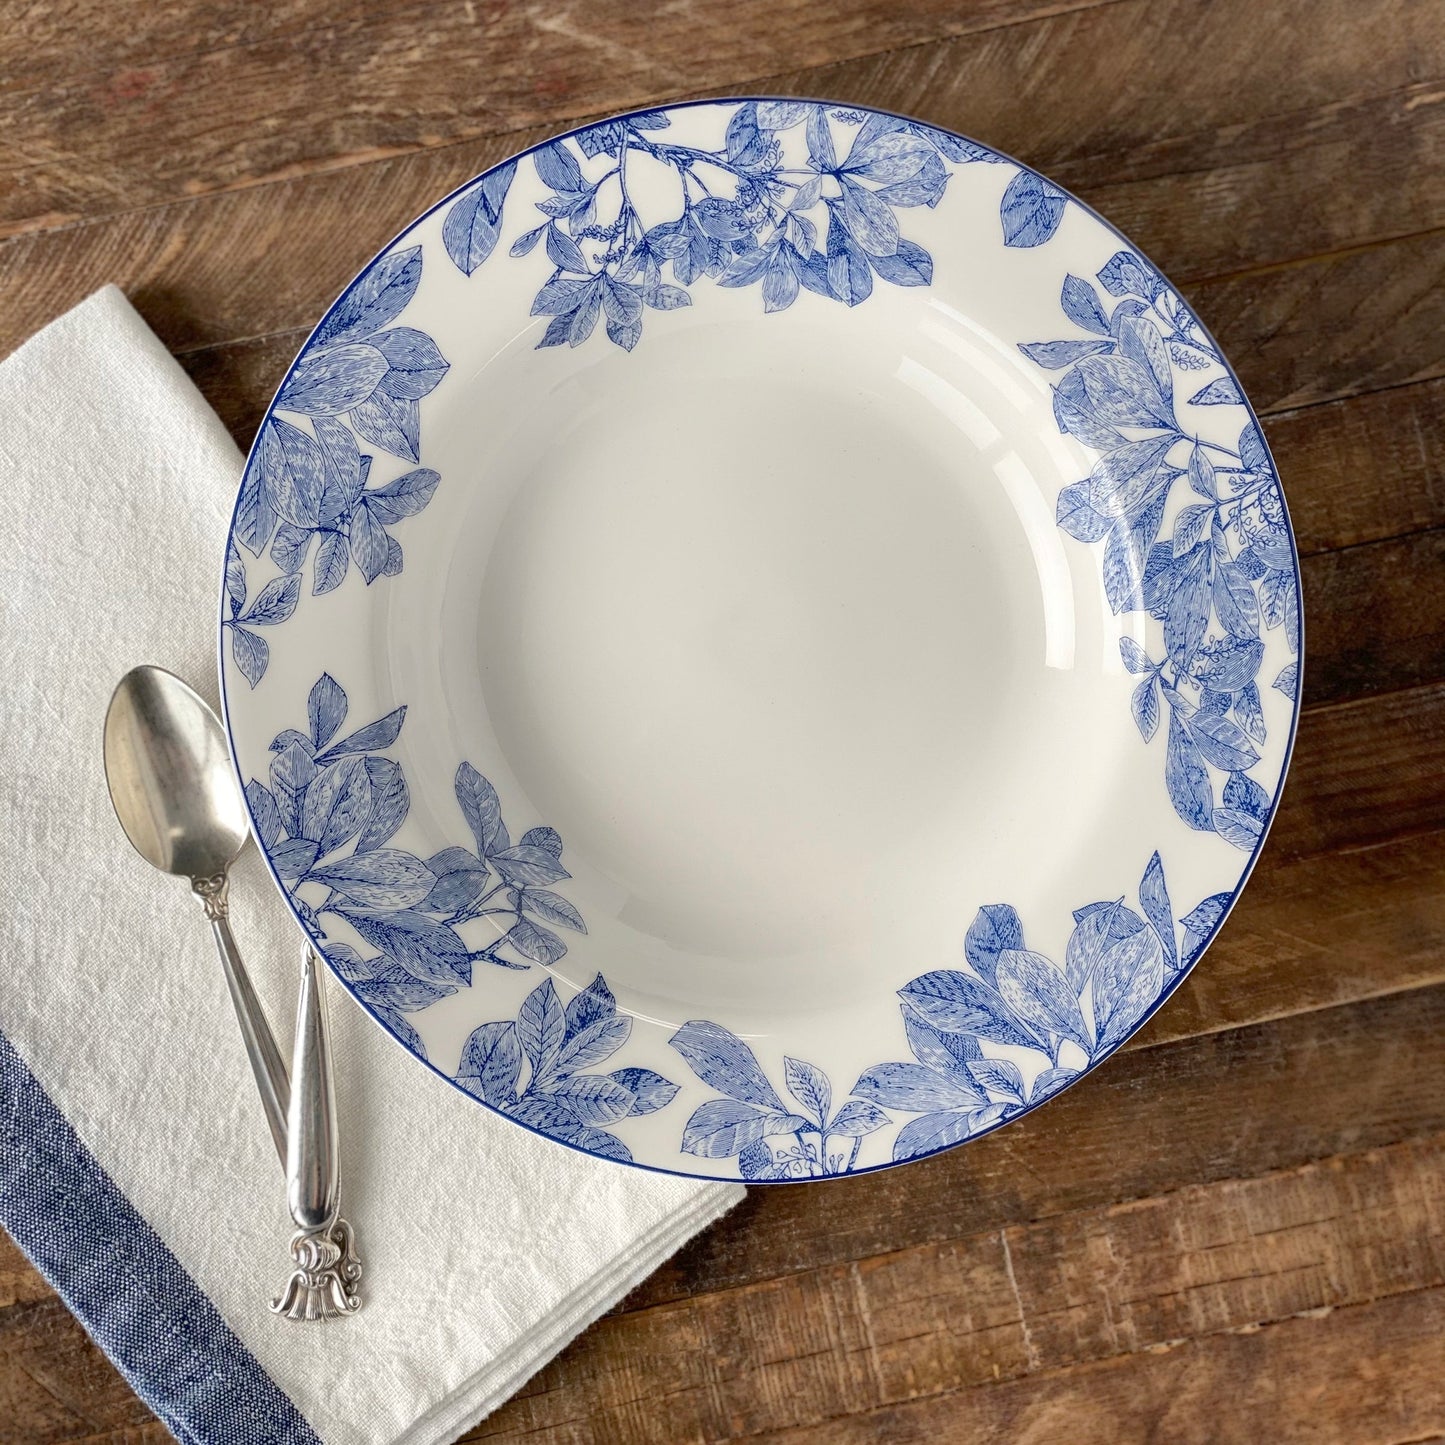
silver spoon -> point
(171, 784)
(170, 780)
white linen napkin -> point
(135, 1165)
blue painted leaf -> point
(1154, 899)
(415, 365)
(337, 804)
(551, 1115)
(265, 816)
(622, 303)
(404, 497)
(1204, 919)
(870, 221)
(527, 241)
(746, 145)
(597, 1142)
(886, 155)
(1188, 611)
(995, 927)
(1057, 354)
(390, 801)
(1050, 1082)
(560, 296)
(492, 1061)
(1130, 476)
(586, 1008)
(294, 857)
(1081, 305)
(725, 1063)
(1229, 665)
(325, 709)
(539, 944)
(1234, 601)
(290, 545)
(584, 320)
(1135, 658)
(525, 867)
(1124, 274)
(275, 602)
(461, 880)
(375, 300)
(814, 276)
(432, 951)
(1188, 779)
(821, 154)
(1031, 210)
(1221, 392)
(748, 268)
(916, 1089)
(809, 1085)
(1096, 930)
(949, 1053)
(548, 839)
(1222, 742)
(390, 422)
(474, 223)
(482, 809)
(235, 578)
(333, 380)
(1141, 343)
(1126, 983)
(557, 167)
(780, 114)
(1144, 705)
(1123, 569)
(284, 739)
(1248, 711)
(1242, 829)
(1189, 526)
(780, 281)
(552, 908)
(721, 1128)
(666, 298)
(850, 277)
(1251, 448)
(1074, 412)
(956, 148)
(395, 987)
(924, 188)
(858, 1118)
(1288, 681)
(1276, 594)
(563, 252)
(953, 1002)
(1120, 392)
(1000, 1076)
(542, 1026)
(292, 770)
(1201, 475)
(909, 265)
(1077, 517)
(1036, 990)
(593, 1099)
(650, 1091)
(292, 464)
(368, 543)
(384, 878)
(938, 1131)
(370, 739)
(332, 557)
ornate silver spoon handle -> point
(324, 1281)
(266, 1062)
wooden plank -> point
(998, 1306)
(1225, 1106)
(1363, 772)
(1363, 469)
(217, 267)
(1375, 616)
(1369, 1374)
(372, 86)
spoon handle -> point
(266, 1062)
(323, 1283)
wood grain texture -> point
(1232, 1231)
(427, 76)
(984, 1309)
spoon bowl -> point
(170, 778)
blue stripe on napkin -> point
(125, 1286)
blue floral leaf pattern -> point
(1032, 210)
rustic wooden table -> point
(1234, 1231)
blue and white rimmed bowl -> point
(761, 638)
